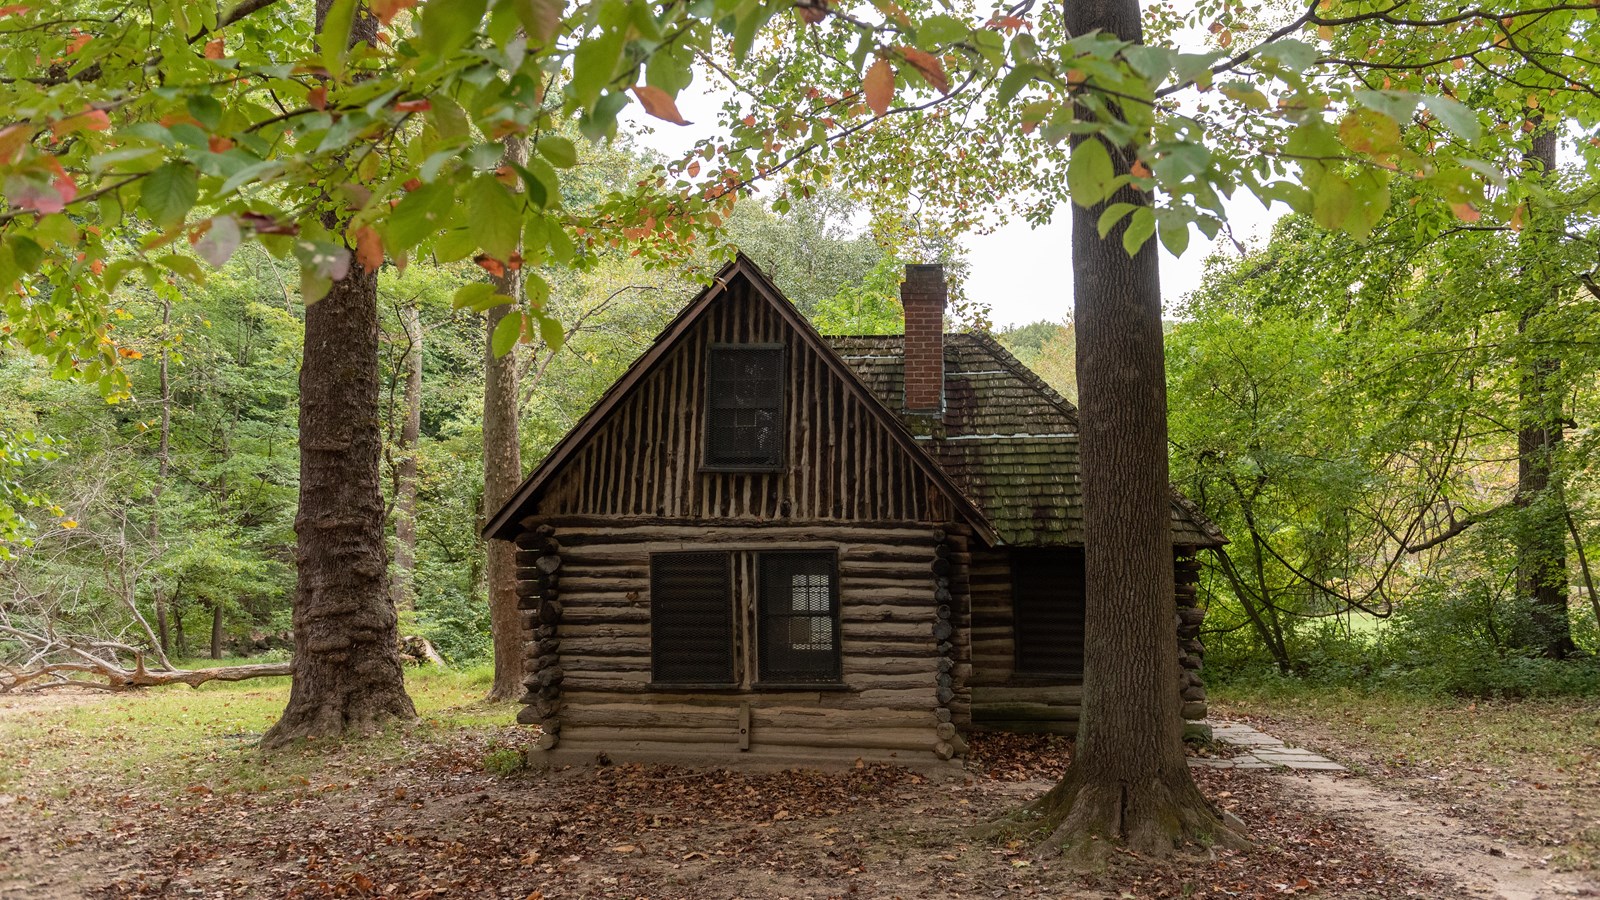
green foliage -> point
(1349, 413)
(1048, 348)
(504, 761)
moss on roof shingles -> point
(1006, 438)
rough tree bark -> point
(216, 630)
(502, 472)
(403, 573)
(347, 675)
(1129, 782)
(1542, 550)
(163, 466)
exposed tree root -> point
(1085, 819)
(354, 714)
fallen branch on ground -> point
(54, 659)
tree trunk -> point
(179, 640)
(502, 472)
(1129, 782)
(216, 630)
(347, 675)
(403, 574)
(1542, 544)
(163, 469)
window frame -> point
(731, 601)
(762, 678)
(706, 431)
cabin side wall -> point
(586, 589)
(1003, 700)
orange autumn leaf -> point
(386, 10)
(930, 67)
(658, 103)
(1466, 212)
(369, 248)
(317, 97)
(219, 144)
(91, 120)
(214, 48)
(878, 85)
(12, 139)
(1139, 169)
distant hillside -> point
(1049, 348)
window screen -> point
(1047, 595)
(799, 617)
(744, 403)
(691, 618)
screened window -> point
(691, 618)
(799, 617)
(1047, 596)
(744, 403)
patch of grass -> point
(1405, 728)
(179, 738)
(1512, 760)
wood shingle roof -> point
(1007, 439)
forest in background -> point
(1356, 438)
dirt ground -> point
(438, 825)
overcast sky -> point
(1018, 271)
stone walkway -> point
(1261, 751)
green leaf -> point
(27, 253)
(560, 151)
(1017, 79)
(1295, 55)
(478, 296)
(1140, 227)
(422, 213)
(939, 30)
(335, 37)
(1333, 201)
(506, 333)
(1112, 215)
(168, 193)
(454, 244)
(1174, 232)
(594, 64)
(550, 331)
(206, 110)
(447, 25)
(1455, 116)
(1089, 174)
(494, 216)
(540, 18)
(1397, 105)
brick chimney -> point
(923, 295)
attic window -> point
(744, 407)
(1047, 589)
(799, 606)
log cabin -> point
(763, 543)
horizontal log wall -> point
(889, 650)
(1001, 700)
(840, 461)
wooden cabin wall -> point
(841, 463)
(590, 623)
(1001, 700)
